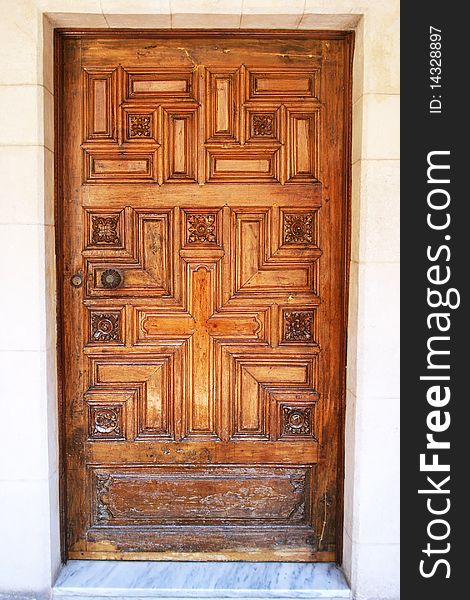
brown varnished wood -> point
(202, 396)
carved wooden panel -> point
(294, 414)
(255, 378)
(283, 84)
(109, 416)
(105, 421)
(302, 145)
(105, 229)
(201, 228)
(163, 84)
(112, 165)
(300, 228)
(146, 269)
(99, 104)
(298, 325)
(140, 125)
(240, 495)
(180, 144)
(223, 105)
(153, 382)
(263, 124)
(202, 208)
(215, 124)
(106, 327)
(260, 269)
(240, 165)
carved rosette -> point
(298, 228)
(201, 229)
(298, 326)
(105, 327)
(140, 126)
(296, 420)
(263, 125)
(104, 230)
(111, 279)
(106, 422)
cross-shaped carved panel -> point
(201, 326)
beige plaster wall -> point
(29, 539)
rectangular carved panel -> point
(99, 105)
(256, 165)
(283, 84)
(164, 84)
(222, 97)
(200, 408)
(180, 145)
(202, 496)
(302, 146)
(103, 166)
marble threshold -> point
(119, 580)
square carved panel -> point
(105, 327)
(263, 125)
(139, 126)
(106, 421)
(300, 228)
(201, 228)
(296, 420)
(298, 326)
(105, 230)
(293, 413)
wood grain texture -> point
(203, 357)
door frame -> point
(62, 33)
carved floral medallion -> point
(105, 327)
(263, 125)
(298, 326)
(140, 126)
(111, 279)
(104, 230)
(201, 228)
(106, 421)
(296, 420)
(298, 228)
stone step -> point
(123, 580)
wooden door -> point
(202, 224)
